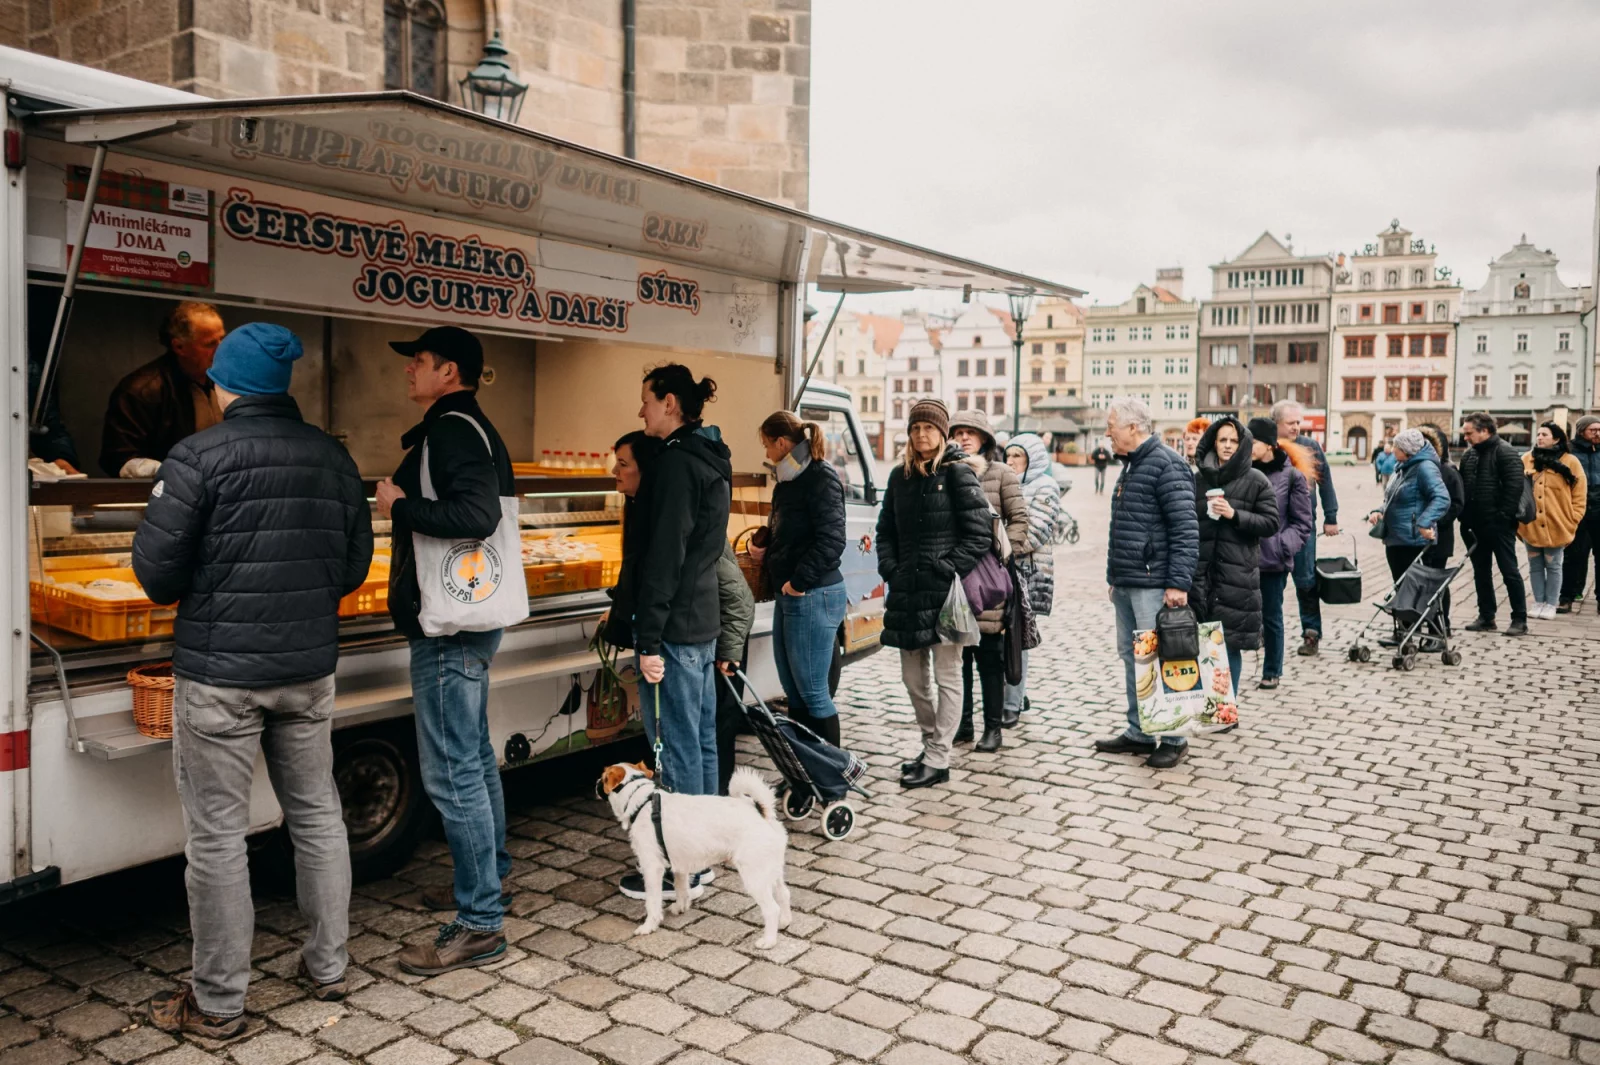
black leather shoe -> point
(1564, 607)
(990, 741)
(908, 766)
(924, 776)
(1480, 625)
(1167, 755)
(963, 733)
(1517, 628)
(1124, 745)
(1009, 718)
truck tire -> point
(386, 811)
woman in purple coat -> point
(1291, 472)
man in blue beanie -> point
(256, 528)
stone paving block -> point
(711, 1033)
(869, 1009)
(358, 1034)
(942, 1030)
(412, 1051)
(90, 1021)
(1206, 1036)
(774, 1048)
(1468, 1048)
(1021, 1017)
(272, 1048)
(1119, 1013)
(1008, 1048)
(920, 1054)
(541, 1052)
(137, 1044)
(481, 1039)
(627, 1045)
(1272, 1051)
(441, 1017)
(564, 1023)
(843, 1036)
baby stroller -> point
(814, 770)
(1066, 525)
(1414, 605)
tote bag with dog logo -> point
(470, 585)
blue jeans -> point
(1272, 585)
(1305, 586)
(1016, 693)
(450, 691)
(687, 698)
(1544, 573)
(803, 630)
(1136, 610)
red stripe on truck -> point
(13, 750)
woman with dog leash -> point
(933, 529)
(677, 614)
(802, 560)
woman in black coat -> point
(1227, 582)
(932, 530)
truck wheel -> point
(380, 787)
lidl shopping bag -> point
(1188, 697)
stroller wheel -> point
(1072, 533)
(1397, 662)
(1363, 653)
(797, 805)
(838, 820)
(1355, 653)
(1451, 658)
(1408, 662)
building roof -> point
(885, 331)
(1005, 321)
(1164, 296)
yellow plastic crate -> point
(101, 620)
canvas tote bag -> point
(470, 585)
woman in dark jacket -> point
(1227, 582)
(1444, 546)
(932, 530)
(802, 562)
(1290, 470)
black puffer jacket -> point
(808, 529)
(685, 497)
(1227, 582)
(1438, 554)
(1491, 472)
(931, 529)
(1154, 542)
(256, 527)
(469, 482)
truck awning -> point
(421, 155)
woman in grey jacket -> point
(1028, 459)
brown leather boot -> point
(455, 947)
(177, 1011)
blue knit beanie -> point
(256, 360)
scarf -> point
(793, 464)
(1549, 458)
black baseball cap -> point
(448, 342)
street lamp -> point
(491, 89)
(1021, 307)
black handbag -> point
(1527, 511)
(1022, 628)
(1178, 634)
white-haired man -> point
(1154, 548)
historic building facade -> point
(1281, 300)
(1394, 342)
(1145, 347)
(857, 357)
(976, 359)
(1524, 351)
(1052, 353)
(723, 86)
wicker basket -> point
(755, 573)
(152, 699)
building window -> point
(414, 47)
(1563, 341)
(1391, 313)
(1480, 385)
(1417, 312)
(1564, 383)
(927, 384)
(1172, 332)
(1303, 352)
(999, 404)
(980, 367)
(1483, 343)
(899, 410)
(1519, 384)
(1358, 347)
(1222, 395)
(874, 403)
(1266, 354)
(1313, 313)
(1061, 347)
(1366, 312)
(1141, 304)
(899, 385)
(1437, 343)
(977, 341)
(1414, 389)
(1036, 374)
(962, 400)
(999, 367)
(1144, 367)
(1397, 346)
(1419, 345)
(1357, 388)
(1435, 390)
(981, 401)
(1061, 372)
(1111, 336)
(1522, 341)
(863, 404)
(961, 367)
(838, 368)
(1095, 336)
(1264, 396)
(1183, 332)
(1224, 354)
(1233, 279)
(911, 385)
(1392, 387)
(1038, 349)
(1049, 321)
(1146, 333)
(911, 364)
(1297, 276)
(861, 367)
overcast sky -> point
(1090, 143)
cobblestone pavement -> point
(1377, 867)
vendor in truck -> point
(166, 400)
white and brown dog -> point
(689, 833)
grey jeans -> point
(937, 704)
(216, 733)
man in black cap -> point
(469, 471)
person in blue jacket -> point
(1415, 502)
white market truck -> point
(355, 220)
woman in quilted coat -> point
(1027, 457)
(1292, 471)
(1560, 497)
(933, 528)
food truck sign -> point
(143, 231)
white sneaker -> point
(1547, 610)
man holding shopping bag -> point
(455, 583)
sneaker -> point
(1481, 625)
(1308, 647)
(633, 886)
(332, 991)
(177, 1011)
(1167, 755)
(435, 901)
(455, 947)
